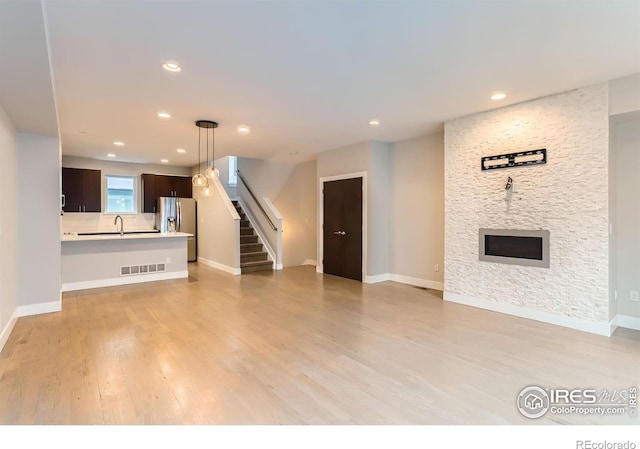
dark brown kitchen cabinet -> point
(82, 189)
(148, 193)
(156, 186)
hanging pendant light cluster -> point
(211, 172)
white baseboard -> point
(310, 262)
(424, 283)
(37, 309)
(124, 280)
(377, 278)
(4, 336)
(602, 328)
(279, 266)
(219, 266)
(628, 322)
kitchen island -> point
(93, 260)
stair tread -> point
(255, 263)
(255, 253)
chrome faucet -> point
(115, 222)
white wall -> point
(624, 94)
(626, 142)
(39, 222)
(8, 226)
(218, 230)
(418, 209)
(93, 222)
(568, 196)
(265, 177)
(222, 165)
(380, 208)
(297, 203)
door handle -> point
(343, 233)
(339, 233)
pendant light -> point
(201, 180)
(211, 172)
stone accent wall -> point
(568, 196)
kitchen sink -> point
(152, 231)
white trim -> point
(4, 336)
(274, 210)
(599, 328)
(124, 280)
(278, 231)
(424, 283)
(219, 266)
(377, 278)
(628, 322)
(310, 262)
(37, 309)
(227, 201)
(363, 175)
(262, 237)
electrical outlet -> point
(633, 296)
(436, 267)
(615, 295)
(168, 260)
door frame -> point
(363, 175)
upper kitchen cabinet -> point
(156, 186)
(82, 190)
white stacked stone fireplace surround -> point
(567, 196)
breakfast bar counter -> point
(93, 260)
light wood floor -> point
(292, 347)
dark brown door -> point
(342, 232)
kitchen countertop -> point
(74, 237)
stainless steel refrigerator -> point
(178, 214)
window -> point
(233, 166)
(121, 194)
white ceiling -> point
(308, 75)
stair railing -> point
(256, 200)
(272, 238)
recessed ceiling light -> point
(171, 67)
(181, 150)
(119, 143)
(164, 115)
(164, 161)
(82, 132)
(111, 155)
(243, 129)
(294, 152)
(498, 96)
(374, 122)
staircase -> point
(253, 257)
